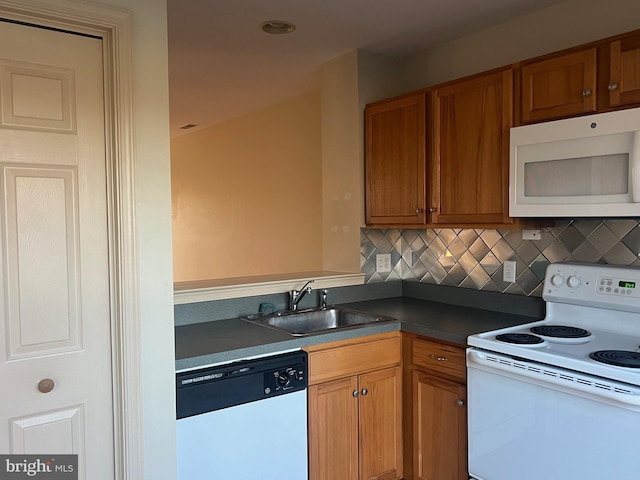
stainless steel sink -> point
(305, 322)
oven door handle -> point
(565, 380)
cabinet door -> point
(624, 78)
(470, 156)
(440, 428)
(380, 407)
(395, 162)
(333, 430)
(559, 87)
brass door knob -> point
(46, 385)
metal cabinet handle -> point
(418, 210)
(46, 385)
(356, 393)
(440, 359)
(613, 86)
(460, 403)
(433, 209)
(586, 92)
(364, 391)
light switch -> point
(509, 271)
(383, 262)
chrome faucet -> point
(296, 295)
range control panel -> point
(603, 286)
(617, 286)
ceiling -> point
(222, 65)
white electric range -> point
(560, 398)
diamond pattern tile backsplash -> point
(473, 258)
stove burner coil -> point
(619, 358)
(560, 331)
(519, 338)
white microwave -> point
(578, 167)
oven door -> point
(533, 422)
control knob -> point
(557, 280)
(283, 379)
(573, 281)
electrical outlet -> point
(509, 271)
(531, 234)
(383, 262)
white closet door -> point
(54, 263)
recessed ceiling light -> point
(277, 27)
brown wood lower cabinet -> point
(355, 418)
(435, 420)
(440, 424)
(387, 407)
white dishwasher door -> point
(262, 440)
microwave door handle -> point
(635, 167)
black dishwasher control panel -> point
(214, 388)
(289, 378)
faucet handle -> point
(307, 287)
(323, 298)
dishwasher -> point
(245, 420)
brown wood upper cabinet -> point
(601, 76)
(395, 161)
(559, 87)
(469, 161)
(624, 72)
(465, 131)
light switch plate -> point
(509, 271)
(383, 262)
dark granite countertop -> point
(222, 341)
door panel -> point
(54, 270)
(440, 429)
(381, 424)
(40, 208)
(624, 75)
(559, 87)
(57, 432)
(37, 103)
(395, 162)
(470, 160)
(333, 430)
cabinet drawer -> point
(440, 358)
(348, 360)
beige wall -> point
(247, 194)
(341, 171)
(563, 25)
(348, 83)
